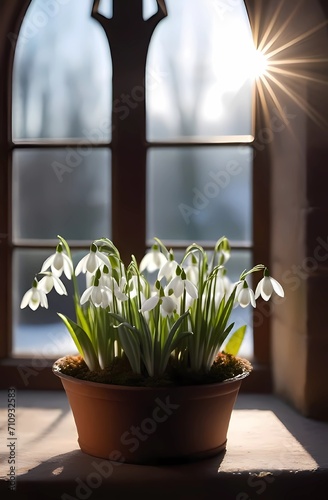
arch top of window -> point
(198, 74)
(62, 75)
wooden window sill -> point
(271, 450)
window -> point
(114, 177)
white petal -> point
(59, 286)
(68, 268)
(258, 290)
(150, 303)
(86, 295)
(104, 259)
(26, 298)
(252, 297)
(168, 269)
(191, 289)
(43, 299)
(91, 262)
(244, 297)
(96, 296)
(277, 287)
(81, 266)
(58, 261)
(46, 284)
(47, 263)
(168, 305)
(34, 300)
(177, 286)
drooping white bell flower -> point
(90, 262)
(180, 283)
(97, 294)
(168, 269)
(50, 281)
(153, 260)
(58, 262)
(267, 286)
(167, 304)
(34, 297)
(245, 295)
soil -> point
(119, 372)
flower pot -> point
(150, 424)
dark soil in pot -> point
(119, 372)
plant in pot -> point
(157, 372)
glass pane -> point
(61, 191)
(199, 80)
(62, 74)
(40, 332)
(199, 193)
(239, 261)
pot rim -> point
(56, 371)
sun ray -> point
(294, 74)
(280, 30)
(275, 99)
(309, 60)
(263, 101)
(300, 101)
(270, 27)
(297, 39)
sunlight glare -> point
(258, 64)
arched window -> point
(80, 166)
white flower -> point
(192, 270)
(50, 281)
(153, 260)
(267, 286)
(168, 304)
(90, 262)
(168, 269)
(34, 297)
(97, 294)
(117, 289)
(245, 295)
(180, 283)
(58, 262)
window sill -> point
(271, 449)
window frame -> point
(12, 368)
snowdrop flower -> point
(34, 297)
(97, 294)
(50, 281)
(90, 262)
(180, 283)
(245, 295)
(267, 286)
(153, 260)
(192, 269)
(117, 289)
(168, 304)
(168, 269)
(58, 262)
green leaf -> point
(82, 342)
(235, 341)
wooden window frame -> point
(24, 372)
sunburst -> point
(283, 67)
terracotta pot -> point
(150, 425)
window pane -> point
(40, 332)
(199, 80)
(62, 74)
(199, 193)
(61, 191)
(239, 261)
